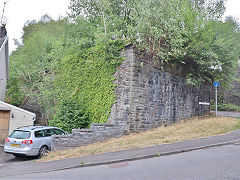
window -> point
(48, 132)
(39, 133)
(18, 134)
(58, 132)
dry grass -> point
(184, 130)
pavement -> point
(30, 167)
(229, 114)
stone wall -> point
(147, 97)
(80, 137)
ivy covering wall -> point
(87, 78)
(63, 69)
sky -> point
(20, 11)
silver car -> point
(31, 140)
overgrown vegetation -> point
(226, 107)
(69, 63)
(70, 115)
(87, 77)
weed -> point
(237, 126)
(52, 156)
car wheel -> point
(42, 151)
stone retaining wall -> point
(147, 97)
(80, 137)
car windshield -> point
(18, 134)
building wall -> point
(3, 72)
(18, 117)
(4, 56)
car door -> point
(39, 139)
(47, 134)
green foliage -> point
(111, 16)
(237, 126)
(80, 34)
(70, 63)
(70, 115)
(88, 75)
(67, 70)
(14, 94)
(188, 34)
(33, 64)
(182, 33)
(226, 107)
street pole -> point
(216, 85)
(216, 99)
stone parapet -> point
(82, 137)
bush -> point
(70, 115)
(226, 107)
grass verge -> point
(184, 130)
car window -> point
(18, 134)
(39, 134)
(48, 132)
(58, 132)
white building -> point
(4, 62)
(12, 117)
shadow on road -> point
(9, 158)
(19, 159)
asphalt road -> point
(8, 158)
(221, 163)
(4, 157)
(229, 114)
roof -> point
(14, 107)
(5, 108)
(28, 128)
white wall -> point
(20, 119)
(3, 69)
(18, 116)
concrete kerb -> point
(146, 156)
(81, 165)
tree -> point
(33, 63)
(188, 34)
(112, 15)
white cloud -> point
(233, 8)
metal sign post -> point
(216, 85)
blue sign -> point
(216, 84)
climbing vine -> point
(87, 78)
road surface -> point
(220, 163)
(9, 158)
